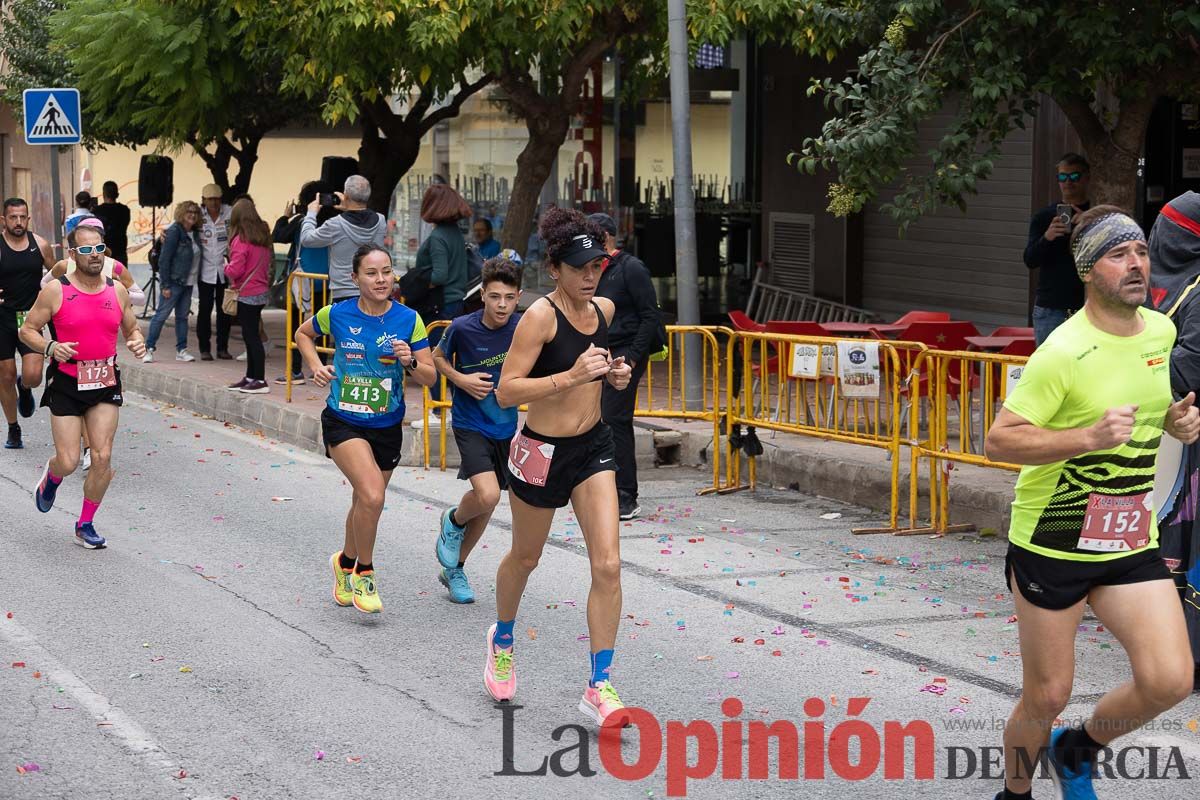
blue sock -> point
(600, 663)
(503, 637)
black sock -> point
(16, 425)
(345, 563)
(462, 564)
(1009, 794)
(1075, 747)
(361, 568)
(454, 521)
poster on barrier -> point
(804, 361)
(858, 368)
(1012, 374)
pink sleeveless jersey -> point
(93, 320)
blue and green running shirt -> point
(368, 389)
(1095, 506)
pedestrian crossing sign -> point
(52, 116)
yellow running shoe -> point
(343, 592)
(366, 595)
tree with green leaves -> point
(34, 60)
(992, 62)
(398, 70)
(177, 75)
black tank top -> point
(20, 274)
(560, 353)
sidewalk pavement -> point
(850, 473)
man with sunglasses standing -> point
(1059, 290)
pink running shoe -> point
(499, 675)
(601, 701)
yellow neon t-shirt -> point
(1070, 381)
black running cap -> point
(583, 248)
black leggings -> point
(256, 356)
(211, 295)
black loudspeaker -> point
(156, 182)
(335, 170)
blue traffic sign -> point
(52, 116)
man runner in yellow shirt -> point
(1086, 420)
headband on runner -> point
(1101, 236)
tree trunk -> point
(534, 164)
(385, 161)
(1114, 152)
(217, 163)
(246, 158)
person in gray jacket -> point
(344, 234)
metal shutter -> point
(969, 264)
(791, 251)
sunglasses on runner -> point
(88, 249)
(1073, 177)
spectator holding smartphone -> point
(1059, 290)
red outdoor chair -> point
(923, 316)
(741, 322)
(1012, 330)
(939, 336)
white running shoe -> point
(434, 420)
(242, 357)
(184, 355)
(149, 357)
(85, 460)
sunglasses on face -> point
(88, 249)
(1073, 177)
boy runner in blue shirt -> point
(471, 355)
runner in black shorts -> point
(86, 312)
(377, 342)
(24, 257)
(1086, 419)
(471, 355)
(564, 454)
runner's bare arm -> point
(57, 271)
(47, 253)
(306, 343)
(426, 373)
(1015, 440)
(49, 300)
(129, 326)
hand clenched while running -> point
(137, 346)
(591, 364)
(401, 350)
(619, 373)
(1114, 429)
(1183, 420)
(324, 375)
(477, 384)
(65, 351)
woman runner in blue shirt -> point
(376, 341)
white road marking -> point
(116, 722)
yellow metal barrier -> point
(440, 407)
(796, 384)
(671, 401)
(953, 379)
(307, 293)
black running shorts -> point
(387, 444)
(575, 459)
(479, 454)
(64, 399)
(1056, 583)
(10, 343)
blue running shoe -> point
(456, 581)
(86, 536)
(449, 543)
(45, 491)
(1069, 785)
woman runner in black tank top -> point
(564, 454)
